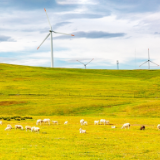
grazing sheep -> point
(1, 122)
(82, 131)
(66, 122)
(8, 125)
(39, 121)
(113, 126)
(19, 127)
(46, 121)
(35, 129)
(158, 126)
(142, 128)
(104, 121)
(81, 121)
(8, 128)
(126, 125)
(85, 123)
(28, 128)
(96, 122)
(55, 122)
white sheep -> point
(82, 131)
(8, 125)
(1, 122)
(19, 127)
(96, 122)
(55, 122)
(113, 126)
(39, 121)
(85, 123)
(8, 128)
(35, 129)
(66, 122)
(126, 125)
(158, 126)
(28, 128)
(81, 121)
(46, 121)
(104, 121)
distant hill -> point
(45, 91)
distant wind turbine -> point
(52, 64)
(85, 64)
(149, 61)
(117, 64)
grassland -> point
(71, 94)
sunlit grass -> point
(119, 96)
(65, 142)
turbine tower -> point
(117, 64)
(50, 33)
(149, 61)
(85, 64)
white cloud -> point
(64, 2)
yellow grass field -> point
(65, 142)
(120, 96)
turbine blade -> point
(80, 62)
(48, 18)
(143, 63)
(154, 63)
(90, 61)
(63, 33)
(44, 40)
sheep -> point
(28, 128)
(158, 126)
(85, 123)
(142, 128)
(46, 121)
(39, 121)
(8, 128)
(36, 129)
(104, 121)
(126, 125)
(82, 131)
(113, 126)
(81, 121)
(8, 125)
(1, 122)
(96, 122)
(66, 122)
(55, 122)
(19, 127)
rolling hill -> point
(45, 91)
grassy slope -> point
(45, 91)
(90, 94)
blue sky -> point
(106, 30)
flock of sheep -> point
(82, 122)
(9, 127)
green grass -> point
(65, 141)
(45, 91)
(71, 94)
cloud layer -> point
(104, 30)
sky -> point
(106, 31)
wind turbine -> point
(84, 63)
(50, 33)
(117, 64)
(149, 61)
